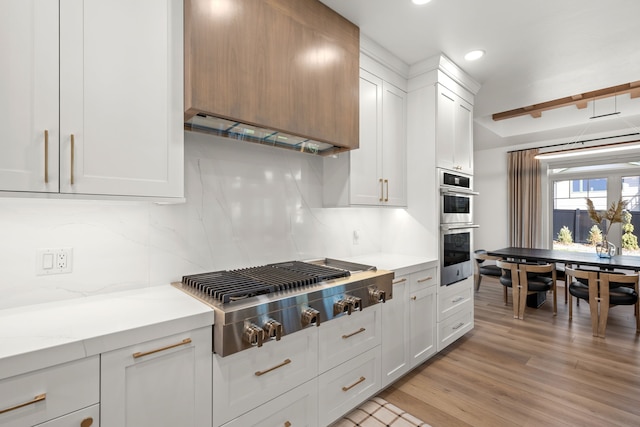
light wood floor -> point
(540, 371)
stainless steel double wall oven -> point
(456, 226)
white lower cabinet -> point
(409, 327)
(248, 379)
(47, 394)
(87, 417)
(162, 383)
(347, 385)
(455, 311)
(298, 407)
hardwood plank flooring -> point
(540, 371)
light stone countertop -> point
(38, 336)
(400, 264)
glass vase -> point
(605, 249)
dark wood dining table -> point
(569, 258)
(576, 259)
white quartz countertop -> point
(38, 336)
(398, 263)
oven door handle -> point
(461, 191)
(448, 227)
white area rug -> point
(378, 412)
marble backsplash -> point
(246, 205)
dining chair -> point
(527, 278)
(603, 290)
(485, 266)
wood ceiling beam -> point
(579, 100)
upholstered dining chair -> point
(485, 266)
(524, 279)
(603, 290)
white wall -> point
(246, 205)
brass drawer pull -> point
(87, 422)
(146, 353)
(344, 337)
(46, 156)
(266, 371)
(458, 326)
(381, 190)
(347, 388)
(395, 282)
(38, 398)
(287, 424)
(425, 279)
(413, 298)
(73, 149)
(457, 299)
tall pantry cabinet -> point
(91, 99)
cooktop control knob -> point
(356, 303)
(377, 295)
(273, 329)
(254, 334)
(342, 306)
(310, 316)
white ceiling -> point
(536, 51)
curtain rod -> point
(578, 142)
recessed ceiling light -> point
(420, 2)
(474, 54)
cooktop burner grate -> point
(228, 286)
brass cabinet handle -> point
(38, 398)
(399, 281)
(425, 279)
(386, 181)
(87, 422)
(381, 190)
(347, 388)
(286, 362)
(287, 424)
(46, 156)
(457, 299)
(146, 353)
(359, 331)
(413, 298)
(73, 149)
(458, 326)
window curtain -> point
(524, 199)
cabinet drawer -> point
(49, 393)
(346, 386)
(298, 407)
(89, 416)
(348, 336)
(452, 298)
(454, 327)
(423, 279)
(247, 379)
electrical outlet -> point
(356, 237)
(54, 261)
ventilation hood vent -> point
(244, 132)
(284, 73)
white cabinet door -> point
(365, 168)
(422, 308)
(394, 145)
(454, 133)
(161, 383)
(121, 97)
(29, 95)
(395, 333)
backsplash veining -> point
(246, 205)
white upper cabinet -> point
(375, 174)
(29, 95)
(115, 69)
(454, 131)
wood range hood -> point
(278, 72)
